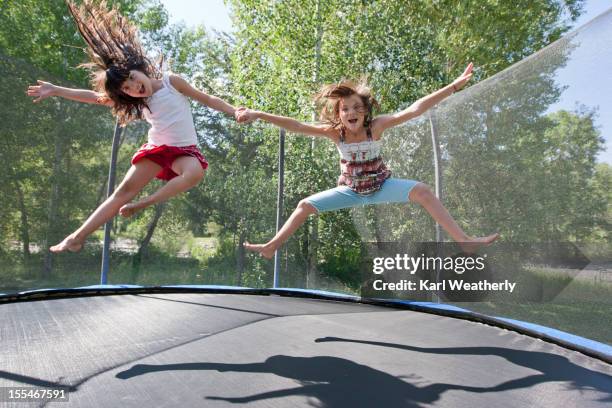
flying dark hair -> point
(114, 50)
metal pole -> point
(110, 189)
(438, 186)
(437, 173)
(279, 201)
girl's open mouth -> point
(352, 121)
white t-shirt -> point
(170, 117)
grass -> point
(82, 269)
(581, 318)
(582, 307)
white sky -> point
(214, 14)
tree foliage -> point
(506, 164)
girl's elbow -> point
(417, 110)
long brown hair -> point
(114, 50)
(328, 100)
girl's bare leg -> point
(420, 194)
(423, 195)
(137, 177)
(189, 171)
(297, 218)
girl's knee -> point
(125, 192)
(194, 176)
(307, 207)
(420, 193)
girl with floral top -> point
(364, 179)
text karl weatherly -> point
(483, 285)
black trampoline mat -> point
(221, 350)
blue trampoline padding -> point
(224, 287)
(27, 292)
(110, 286)
(564, 336)
(204, 287)
(115, 287)
(316, 292)
(434, 306)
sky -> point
(576, 74)
(215, 14)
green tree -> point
(407, 49)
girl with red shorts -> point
(125, 80)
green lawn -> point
(582, 307)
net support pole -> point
(436, 162)
(279, 201)
(438, 184)
(110, 189)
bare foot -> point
(70, 243)
(265, 250)
(474, 244)
(129, 209)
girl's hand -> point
(245, 115)
(463, 78)
(42, 91)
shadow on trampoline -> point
(551, 366)
(37, 382)
(333, 381)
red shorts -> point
(165, 155)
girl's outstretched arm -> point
(46, 89)
(189, 91)
(292, 125)
(380, 123)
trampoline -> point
(145, 344)
(266, 348)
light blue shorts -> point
(392, 191)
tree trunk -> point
(24, 230)
(51, 234)
(240, 258)
(100, 197)
(144, 244)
